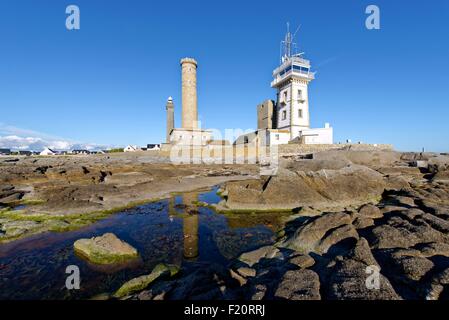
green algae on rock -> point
(106, 249)
(140, 283)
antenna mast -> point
(287, 45)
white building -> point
(190, 137)
(289, 117)
(151, 147)
(48, 152)
(291, 80)
(131, 148)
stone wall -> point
(310, 148)
(251, 153)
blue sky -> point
(108, 82)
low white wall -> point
(318, 136)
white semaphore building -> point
(288, 118)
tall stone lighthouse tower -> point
(291, 79)
(189, 96)
(190, 133)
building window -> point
(285, 96)
(284, 114)
(276, 137)
(300, 113)
(299, 94)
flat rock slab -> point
(253, 257)
(106, 249)
(307, 238)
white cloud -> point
(23, 139)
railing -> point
(290, 62)
(309, 75)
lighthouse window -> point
(299, 94)
(302, 69)
(285, 96)
(299, 68)
(300, 113)
(284, 115)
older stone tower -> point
(189, 96)
(170, 107)
(190, 133)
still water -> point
(172, 231)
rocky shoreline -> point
(401, 237)
(354, 215)
(41, 194)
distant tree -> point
(115, 150)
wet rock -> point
(253, 257)
(300, 284)
(307, 238)
(348, 280)
(15, 228)
(231, 243)
(106, 249)
(140, 283)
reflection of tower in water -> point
(190, 227)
